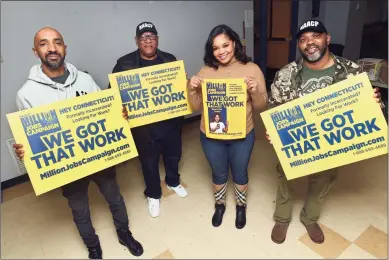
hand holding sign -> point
(252, 85)
(125, 112)
(377, 95)
(268, 137)
(195, 82)
(19, 150)
(225, 130)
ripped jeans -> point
(319, 185)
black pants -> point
(77, 195)
(149, 153)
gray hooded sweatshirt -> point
(41, 90)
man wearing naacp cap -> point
(158, 138)
(317, 69)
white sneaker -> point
(153, 207)
(179, 190)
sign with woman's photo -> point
(225, 108)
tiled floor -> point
(354, 216)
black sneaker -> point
(126, 239)
(95, 252)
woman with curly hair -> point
(224, 58)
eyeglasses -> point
(151, 37)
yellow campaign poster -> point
(154, 93)
(335, 126)
(71, 139)
(224, 103)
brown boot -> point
(315, 233)
(278, 233)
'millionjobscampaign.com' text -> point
(355, 147)
(156, 111)
(87, 160)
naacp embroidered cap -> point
(145, 27)
(311, 26)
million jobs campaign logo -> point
(286, 120)
(128, 84)
(38, 125)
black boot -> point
(126, 239)
(218, 215)
(240, 220)
(95, 252)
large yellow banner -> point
(154, 93)
(335, 126)
(224, 108)
(68, 140)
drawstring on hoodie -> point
(68, 94)
(70, 89)
(59, 95)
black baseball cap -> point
(145, 27)
(311, 26)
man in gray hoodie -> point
(54, 80)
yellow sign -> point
(224, 103)
(154, 93)
(68, 140)
(335, 126)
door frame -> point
(261, 31)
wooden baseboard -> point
(14, 181)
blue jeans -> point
(223, 154)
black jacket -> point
(154, 131)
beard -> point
(149, 54)
(53, 64)
(314, 57)
(148, 51)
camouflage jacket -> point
(288, 81)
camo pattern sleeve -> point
(283, 89)
(350, 68)
(347, 67)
